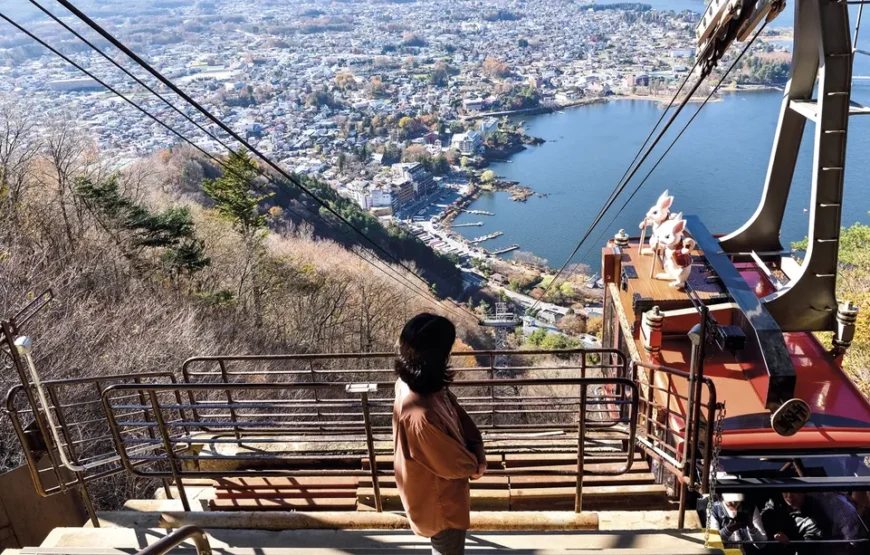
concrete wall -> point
(26, 518)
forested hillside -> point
(166, 259)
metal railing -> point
(311, 408)
(175, 539)
(274, 426)
(81, 428)
(666, 426)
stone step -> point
(285, 504)
(118, 541)
(326, 482)
(531, 498)
(632, 497)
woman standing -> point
(437, 447)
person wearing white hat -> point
(736, 522)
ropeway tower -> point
(503, 320)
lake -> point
(716, 170)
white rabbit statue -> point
(678, 259)
(660, 212)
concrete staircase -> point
(118, 541)
(635, 490)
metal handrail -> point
(175, 539)
(180, 465)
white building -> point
(382, 197)
(82, 84)
(358, 191)
(488, 127)
(467, 143)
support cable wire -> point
(292, 179)
(621, 186)
(204, 130)
(127, 72)
(656, 126)
(680, 134)
(423, 293)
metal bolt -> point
(621, 239)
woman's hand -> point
(481, 470)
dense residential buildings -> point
(308, 89)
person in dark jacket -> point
(797, 517)
(738, 522)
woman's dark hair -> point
(424, 350)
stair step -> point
(630, 479)
(363, 520)
(310, 482)
(281, 493)
(559, 459)
(284, 504)
(486, 482)
(385, 462)
(77, 541)
(481, 499)
(640, 497)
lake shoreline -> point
(587, 151)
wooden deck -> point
(643, 292)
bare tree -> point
(19, 146)
(68, 153)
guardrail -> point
(82, 432)
(666, 424)
(670, 424)
(245, 425)
(505, 408)
(175, 539)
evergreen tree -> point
(139, 232)
(237, 199)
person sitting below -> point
(796, 518)
(844, 520)
(437, 447)
(861, 501)
(738, 522)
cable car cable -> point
(292, 179)
(423, 293)
(621, 186)
(680, 134)
(179, 111)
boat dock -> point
(479, 212)
(478, 240)
(473, 224)
(506, 249)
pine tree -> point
(140, 233)
(237, 199)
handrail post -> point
(699, 380)
(150, 431)
(80, 477)
(364, 390)
(581, 449)
(170, 452)
(230, 402)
